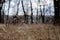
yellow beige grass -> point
(30, 32)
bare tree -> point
(15, 17)
(1, 5)
(43, 16)
(24, 12)
(31, 12)
(27, 12)
(17, 12)
(56, 15)
(17, 8)
(3, 14)
(37, 14)
(7, 17)
(42, 11)
(3, 9)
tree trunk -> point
(43, 16)
(17, 12)
(31, 12)
(25, 16)
(37, 15)
(1, 5)
(0, 14)
(56, 15)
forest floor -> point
(30, 32)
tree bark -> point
(37, 15)
(56, 15)
(0, 14)
(31, 12)
(25, 15)
(1, 5)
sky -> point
(49, 7)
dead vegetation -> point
(30, 32)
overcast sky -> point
(13, 6)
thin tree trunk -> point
(31, 12)
(17, 11)
(40, 16)
(37, 15)
(56, 15)
(7, 19)
(43, 16)
(24, 12)
(1, 5)
(0, 14)
(27, 13)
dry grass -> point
(30, 32)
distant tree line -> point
(38, 17)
